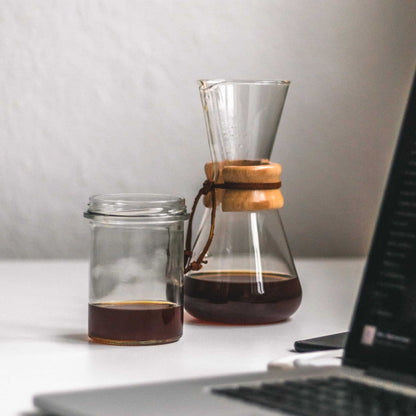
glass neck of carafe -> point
(241, 118)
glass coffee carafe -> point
(240, 270)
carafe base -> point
(241, 297)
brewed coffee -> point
(141, 322)
(239, 297)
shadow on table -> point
(80, 338)
(35, 331)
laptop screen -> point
(383, 333)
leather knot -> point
(207, 187)
(195, 266)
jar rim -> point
(136, 205)
(205, 84)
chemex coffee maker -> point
(239, 269)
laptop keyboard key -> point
(325, 396)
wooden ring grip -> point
(256, 197)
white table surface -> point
(43, 325)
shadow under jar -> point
(136, 268)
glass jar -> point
(136, 268)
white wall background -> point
(101, 96)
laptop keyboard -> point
(331, 396)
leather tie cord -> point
(209, 187)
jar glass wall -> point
(136, 268)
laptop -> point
(378, 371)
